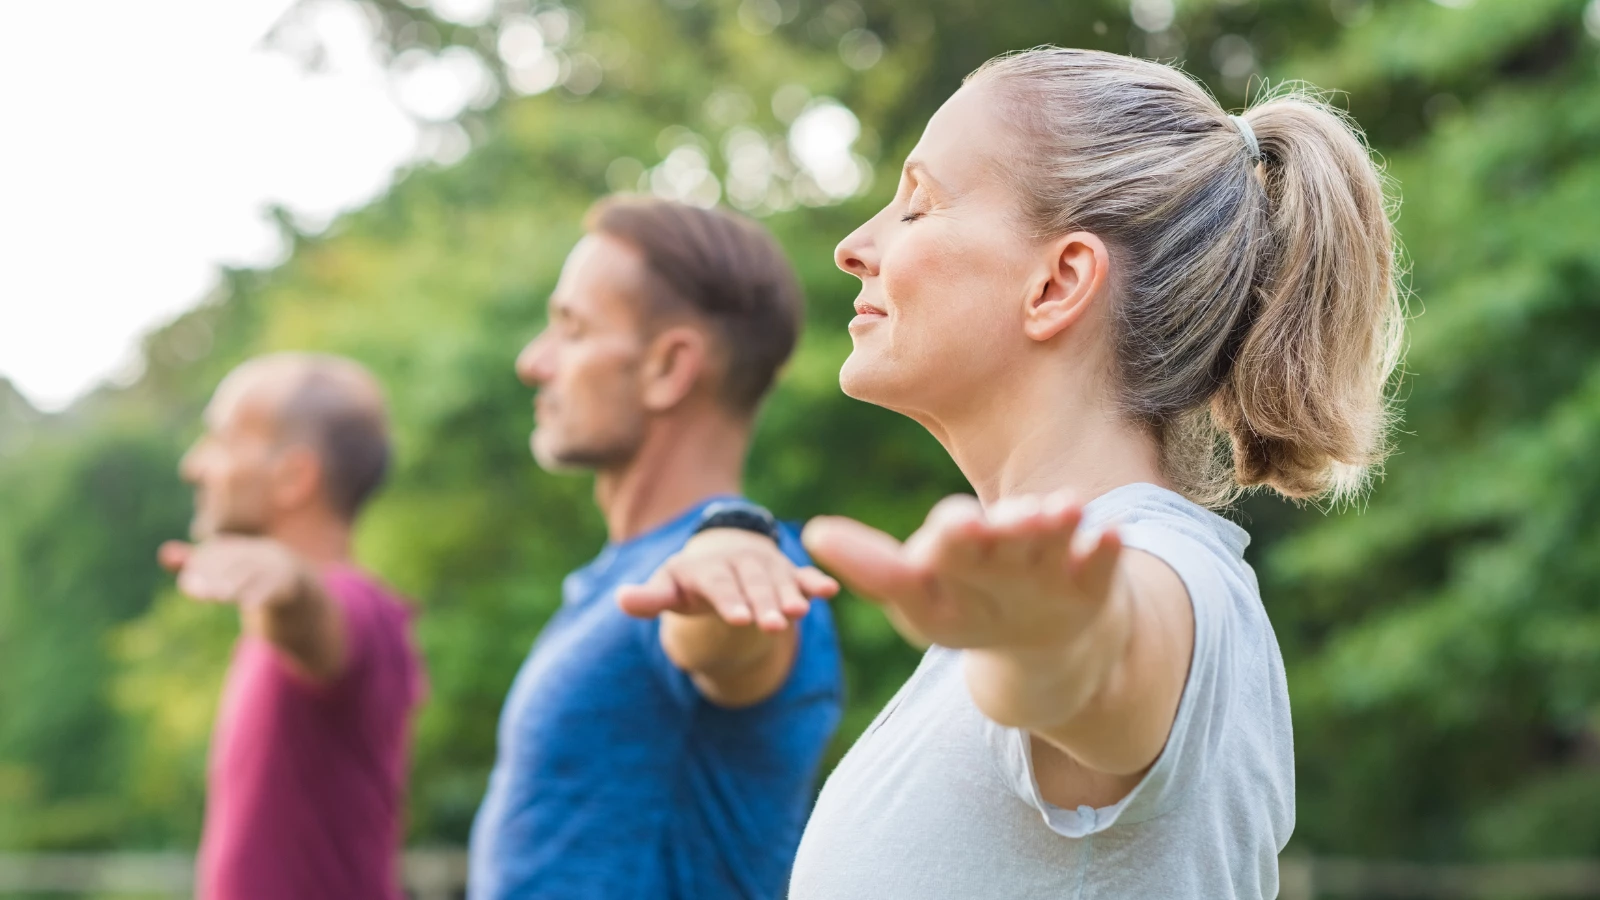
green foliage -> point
(71, 574)
(1442, 640)
(1467, 682)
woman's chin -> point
(869, 380)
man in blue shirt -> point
(668, 751)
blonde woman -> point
(1116, 306)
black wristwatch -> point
(740, 514)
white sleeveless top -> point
(937, 801)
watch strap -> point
(740, 514)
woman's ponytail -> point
(1305, 405)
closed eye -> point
(911, 217)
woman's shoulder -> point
(1204, 550)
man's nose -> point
(533, 363)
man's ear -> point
(1076, 279)
(297, 477)
(674, 363)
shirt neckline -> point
(613, 549)
(1128, 496)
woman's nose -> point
(856, 255)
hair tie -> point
(1249, 137)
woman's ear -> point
(1079, 266)
(673, 364)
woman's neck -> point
(1039, 439)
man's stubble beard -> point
(202, 528)
(615, 453)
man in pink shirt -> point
(308, 760)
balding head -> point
(328, 405)
(336, 407)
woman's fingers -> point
(1034, 530)
(869, 561)
(1025, 531)
(1060, 515)
(956, 532)
(1094, 561)
(1017, 524)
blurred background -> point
(190, 183)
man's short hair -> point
(723, 267)
(336, 407)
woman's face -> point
(945, 272)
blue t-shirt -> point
(616, 779)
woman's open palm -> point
(1018, 575)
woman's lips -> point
(866, 314)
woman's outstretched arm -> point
(1068, 635)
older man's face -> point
(233, 464)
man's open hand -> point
(279, 596)
(249, 571)
(738, 575)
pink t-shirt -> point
(306, 783)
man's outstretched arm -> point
(730, 604)
(280, 598)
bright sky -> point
(143, 143)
